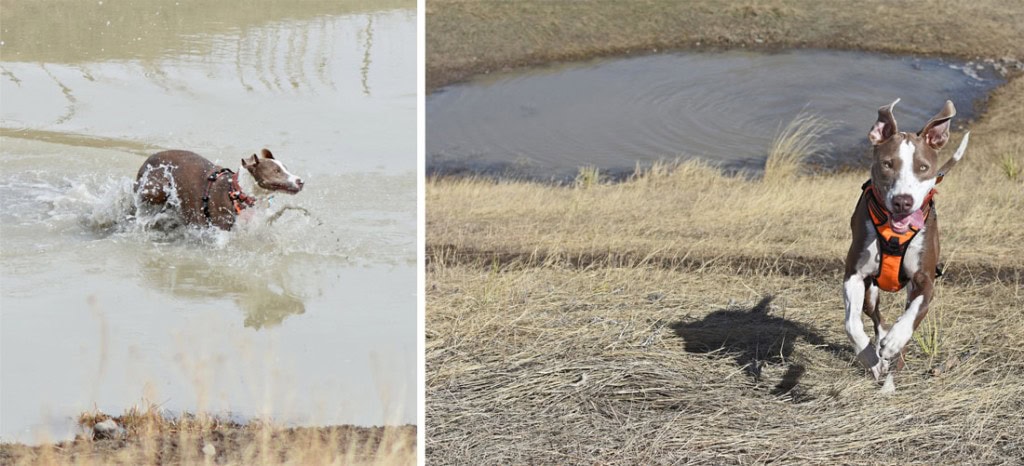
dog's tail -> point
(959, 154)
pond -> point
(723, 107)
(308, 318)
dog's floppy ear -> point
(266, 154)
(936, 131)
(885, 127)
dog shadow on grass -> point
(755, 339)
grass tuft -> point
(588, 177)
(1010, 167)
(799, 140)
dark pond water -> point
(724, 107)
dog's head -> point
(905, 166)
(271, 174)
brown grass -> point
(690, 317)
(640, 365)
(795, 143)
(151, 436)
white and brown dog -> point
(896, 236)
(207, 194)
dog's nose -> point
(299, 182)
(902, 204)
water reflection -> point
(365, 70)
(339, 89)
(266, 296)
(68, 31)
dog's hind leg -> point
(153, 185)
(871, 297)
(871, 308)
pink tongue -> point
(901, 223)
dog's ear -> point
(266, 154)
(251, 162)
(885, 127)
(936, 131)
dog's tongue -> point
(901, 223)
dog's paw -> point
(896, 339)
(880, 369)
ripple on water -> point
(723, 107)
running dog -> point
(896, 235)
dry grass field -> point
(690, 317)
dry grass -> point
(693, 213)
(640, 365)
(795, 143)
(689, 317)
(150, 436)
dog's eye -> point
(887, 164)
(923, 168)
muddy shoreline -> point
(150, 437)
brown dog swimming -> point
(206, 193)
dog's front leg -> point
(853, 296)
(919, 295)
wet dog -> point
(206, 194)
(896, 235)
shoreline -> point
(149, 435)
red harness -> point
(239, 200)
(893, 245)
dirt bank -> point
(148, 436)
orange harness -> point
(893, 245)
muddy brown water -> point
(727, 108)
(307, 314)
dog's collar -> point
(239, 200)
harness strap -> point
(239, 200)
(892, 245)
(210, 180)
